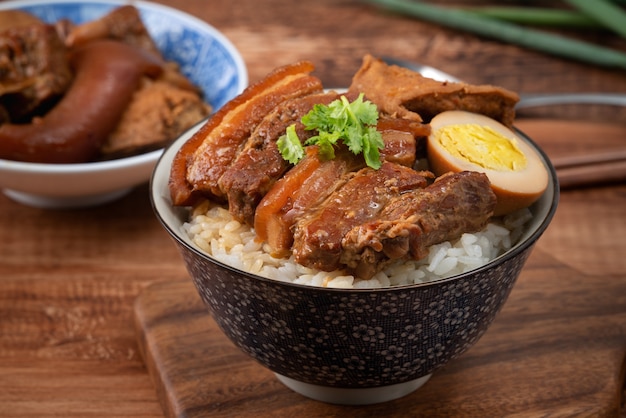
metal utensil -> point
(526, 100)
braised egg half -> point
(465, 141)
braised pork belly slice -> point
(205, 157)
(221, 147)
(319, 232)
(259, 165)
(309, 182)
(411, 222)
(407, 94)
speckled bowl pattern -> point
(353, 339)
(205, 56)
(351, 346)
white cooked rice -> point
(212, 229)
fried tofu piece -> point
(404, 93)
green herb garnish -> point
(352, 123)
(290, 146)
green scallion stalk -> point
(508, 32)
(536, 16)
(604, 12)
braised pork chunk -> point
(300, 190)
(39, 68)
(319, 232)
(313, 179)
(413, 221)
(34, 71)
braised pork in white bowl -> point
(92, 91)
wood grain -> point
(550, 349)
(68, 279)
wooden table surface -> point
(69, 278)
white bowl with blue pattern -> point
(205, 56)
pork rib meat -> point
(404, 229)
(318, 234)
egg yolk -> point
(481, 145)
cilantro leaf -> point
(353, 123)
(289, 145)
(372, 143)
(318, 118)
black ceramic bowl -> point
(350, 346)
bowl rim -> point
(139, 159)
(82, 168)
(553, 186)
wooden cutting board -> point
(557, 349)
